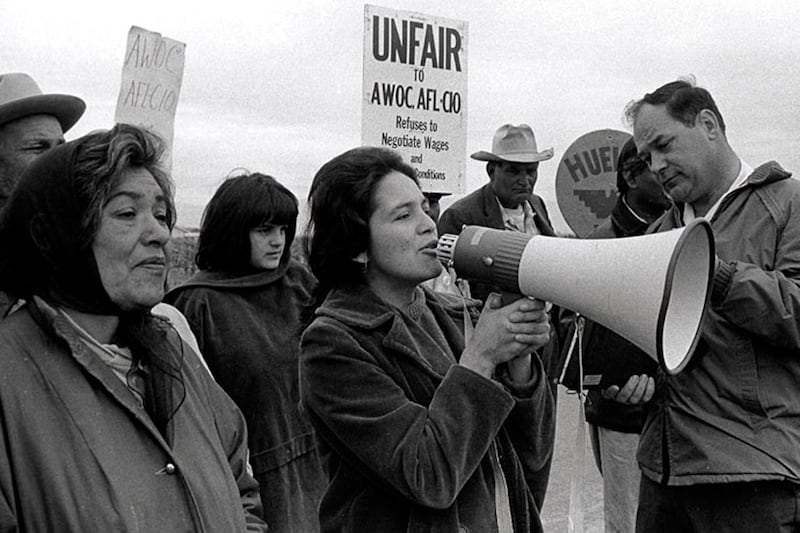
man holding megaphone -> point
(720, 449)
(507, 201)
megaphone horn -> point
(652, 290)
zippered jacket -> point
(734, 413)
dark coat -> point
(78, 453)
(480, 208)
(732, 414)
(406, 433)
(248, 330)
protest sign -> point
(151, 83)
(415, 93)
(586, 180)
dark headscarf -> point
(44, 251)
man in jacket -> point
(508, 202)
(719, 449)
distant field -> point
(181, 250)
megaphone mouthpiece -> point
(486, 254)
(444, 249)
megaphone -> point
(653, 290)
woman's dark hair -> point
(341, 201)
(55, 211)
(683, 101)
(46, 236)
(100, 161)
(241, 204)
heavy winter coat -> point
(248, 329)
(408, 435)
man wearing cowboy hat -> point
(30, 124)
(508, 202)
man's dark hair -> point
(241, 204)
(683, 100)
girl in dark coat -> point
(244, 307)
(420, 430)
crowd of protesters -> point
(340, 391)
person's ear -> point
(709, 121)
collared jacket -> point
(734, 413)
(78, 452)
(407, 435)
(480, 208)
(248, 329)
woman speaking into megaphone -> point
(421, 429)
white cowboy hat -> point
(516, 144)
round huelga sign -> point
(586, 180)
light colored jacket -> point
(78, 453)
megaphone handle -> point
(521, 365)
(510, 297)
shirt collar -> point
(744, 171)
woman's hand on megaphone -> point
(637, 390)
(505, 332)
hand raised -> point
(505, 332)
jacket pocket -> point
(747, 378)
(278, 456)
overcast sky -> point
(275, 86)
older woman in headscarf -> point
(108, 421)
